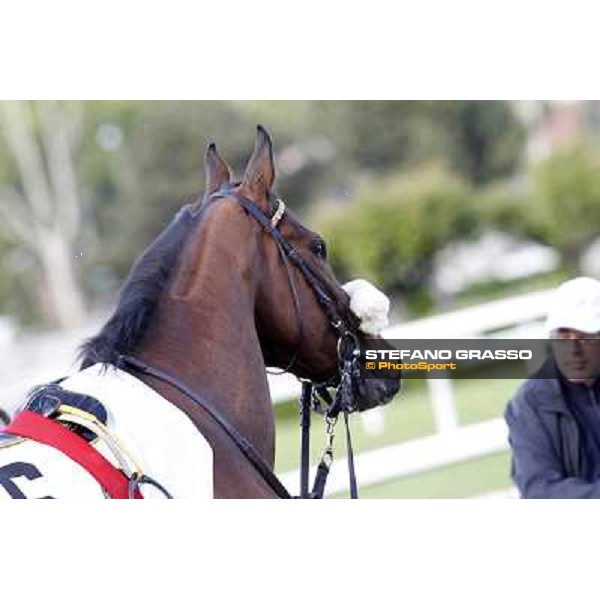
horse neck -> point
(205, 336)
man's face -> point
(577, 354)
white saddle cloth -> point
(160, 437)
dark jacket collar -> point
(546, 388)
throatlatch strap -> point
(41, 429)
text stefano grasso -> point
(460, 354)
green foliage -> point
(392, 231)
(376, 135)
(560, 207)
(17, 287)
(566, 188)
(158, 164)
(518, 214)
(481, 140)
(485, 138)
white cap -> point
(575, 305)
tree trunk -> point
(64, 299)
(45, 213)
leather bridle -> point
(315, 396)
(289, 255)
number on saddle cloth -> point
(45, 400)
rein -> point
(240, 441)
(312, 393)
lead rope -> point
(341, 403)
(305, 408)
(351, 469)
(327, 460)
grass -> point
(462, 480)
(480, 400)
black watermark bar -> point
(577, 359)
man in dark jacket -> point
(554, 421)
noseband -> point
(315, 396)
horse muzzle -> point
(369, 392)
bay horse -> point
(235, 284)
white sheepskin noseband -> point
(369, 304)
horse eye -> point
(319, 249)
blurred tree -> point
(517, 213)
(151, 160)
(559, 205)
(40, 204)
(481, 140)
(391, 233)
(484, 139)
(566, 190)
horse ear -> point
(260, 172)
(217, 170)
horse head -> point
(302, 313)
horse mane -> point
(139, 295)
